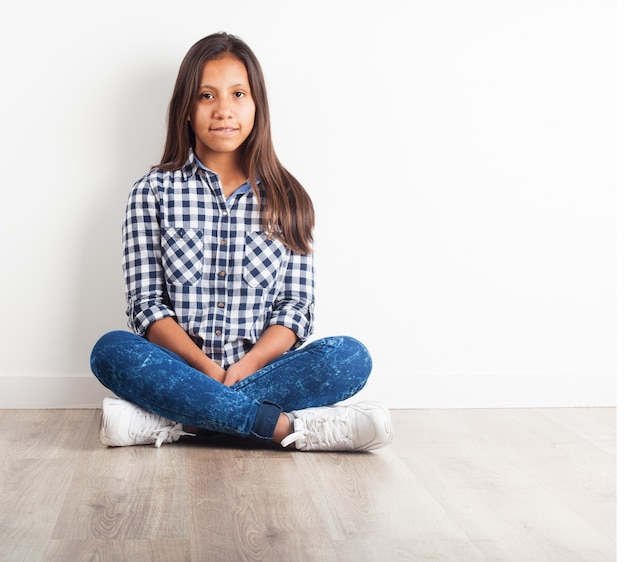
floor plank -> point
(471, 485)
(125, 493)
(118, 550)
(251, 505)
(375, 508)
(521, 488)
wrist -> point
(213, 370)
(252, 361)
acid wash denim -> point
(321, 373)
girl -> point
(219, 284)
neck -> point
(229, 169)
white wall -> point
(461, 156)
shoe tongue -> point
(328, 434)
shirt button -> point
(222, 242)
(222, 273)
(218, 332)
(224, 213)
(220, 305)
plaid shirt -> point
(192, 255)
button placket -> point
(219, 275)
(223, 264)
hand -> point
(239, 371)
(274, 342)
(168, 333)
(216, 372)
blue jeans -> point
(321, 373)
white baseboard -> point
(396, 391)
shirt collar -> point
(196, 164)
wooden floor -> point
(461, 485)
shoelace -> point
(322, 432)
(169, 434)
(158, 428)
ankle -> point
(283, 428)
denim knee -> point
(103, 347)
(353, 356)
(362, 354)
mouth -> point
(223, 129)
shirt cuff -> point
(142, 314)
(300, 321)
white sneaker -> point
(124, 423)
(349, 427)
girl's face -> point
(223, 113)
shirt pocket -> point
(263, 260)
(183, 255)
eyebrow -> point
(208, 86)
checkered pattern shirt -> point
(192, 255)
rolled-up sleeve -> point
(294, 306)
(146, 297)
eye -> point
(206, 96)
(240, 94)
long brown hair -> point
(288, 211)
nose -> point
(223, 107)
